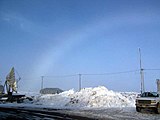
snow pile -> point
(88, 97)
(54, 100)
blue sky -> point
(63, 37)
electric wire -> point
(112, 73)
(152, 69)
(91, 74)
(61, 76)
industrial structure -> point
(8, 92)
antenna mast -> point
(141, 73)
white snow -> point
(98, 97)
(97, 103)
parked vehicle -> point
(149, 100)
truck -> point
(149, 100)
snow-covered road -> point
(127, 113)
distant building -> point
(51, 91)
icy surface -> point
(98, 97)
(124, 113)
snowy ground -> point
(97, 103)
(127, 113)
(98, 97)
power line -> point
(152, 69)
(79, 76)
(112, 73)
(61, 76)
(95, 74)
(92, 74)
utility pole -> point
(0, 81)
(80, 75)
(141, 73)
(42, 77)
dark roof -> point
(51, 91)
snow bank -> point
(88, 98)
